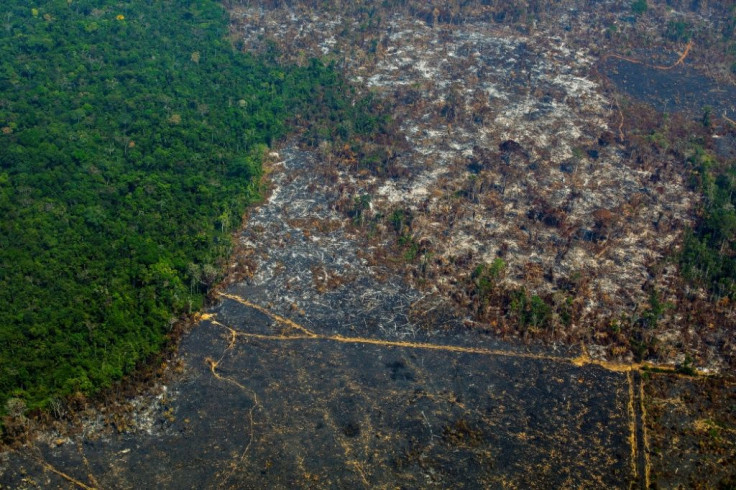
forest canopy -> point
(131, 137)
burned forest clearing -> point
(493, 247)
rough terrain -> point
(346, 349)
(515, 146)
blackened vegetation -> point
(676, 90)
(510, 146)
(399, 371)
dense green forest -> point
(709, 252)
(132, 136)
